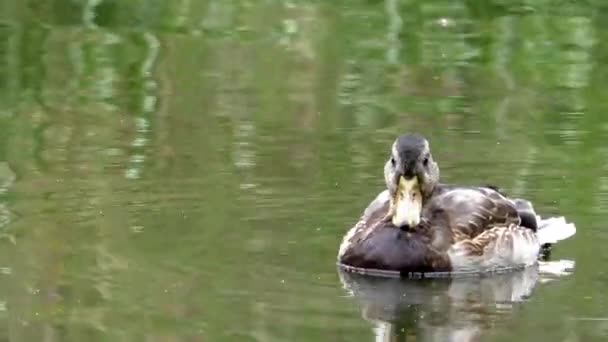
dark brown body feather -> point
(470, 218)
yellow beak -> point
(407, 204)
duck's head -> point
(411, 176)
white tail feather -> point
(554, 229)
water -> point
(185, 170)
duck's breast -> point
(390, 248)
(374, 212)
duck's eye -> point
(393, 161)
(425, 161)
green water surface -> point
(185, 170)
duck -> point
(418, 225)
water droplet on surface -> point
(137, 229)
(445, 22)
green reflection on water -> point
(185, 170)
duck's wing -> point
(486, 230)
(496, 248)
(472, 211)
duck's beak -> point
(407, 204)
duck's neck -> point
(428, 191)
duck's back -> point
(471, 211)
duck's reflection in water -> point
(457, 309)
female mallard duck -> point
(418, 225)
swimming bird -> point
(419, 225)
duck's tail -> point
(549, 231)
(554, 229)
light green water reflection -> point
(185, 170)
